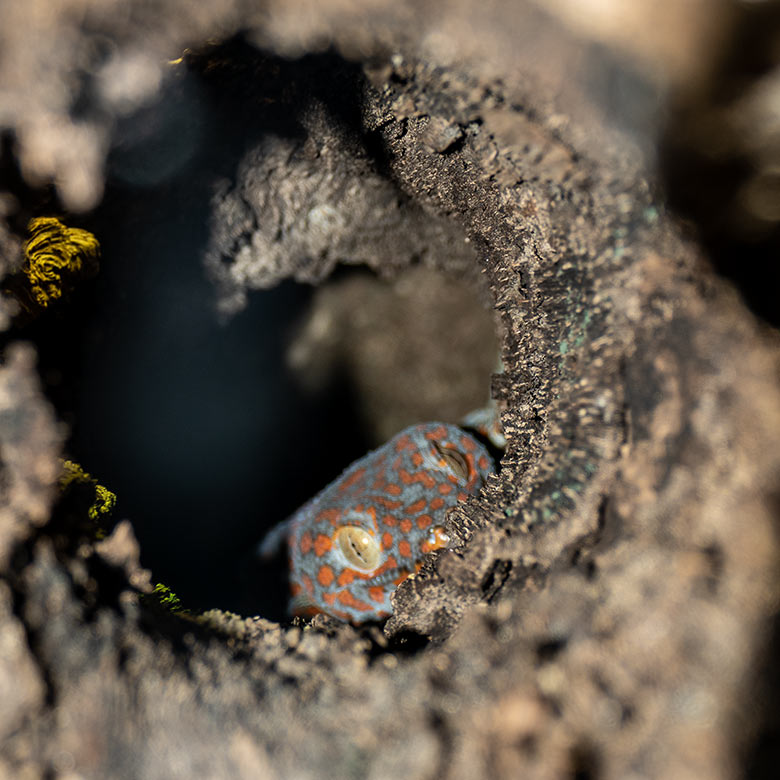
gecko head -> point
(371, 528)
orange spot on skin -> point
(405, 525)
(436, 433)
(387, 540)
(437, 503)
(440, 539)
(389, 520)
(295, 589)
(467, 443)
(445, 489)
(404, 443)
(379, 463)
(321, 545)
(393, 490)
(325, 576)
(390, 563)
(347, 577)
(405, 549)
(483, 462)
(352, 479)
(329, 598)
(417, 459)
(400, 578)
(416, 507)
(423, 521)
(305, 545)
(387, 503)
(377, 594)
(308, 586)
(462, 496)
(418, 476)
(329, 516)
(348, 600)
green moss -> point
(163, 596)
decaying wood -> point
(609, 608)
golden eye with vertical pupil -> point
(456, 461)
(359, 547)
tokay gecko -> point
(354, 542)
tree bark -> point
(610, 607)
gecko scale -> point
(354, 542)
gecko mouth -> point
(386, 577)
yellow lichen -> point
(72, 472)
(72, 477)
(104, 504)
(104, 500)
(54, 255)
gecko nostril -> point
(359, 547)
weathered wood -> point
(611, 603)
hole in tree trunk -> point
(215, 398)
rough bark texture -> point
(609, 611)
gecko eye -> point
(358, 547)
(457, 461)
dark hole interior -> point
(198, 426)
